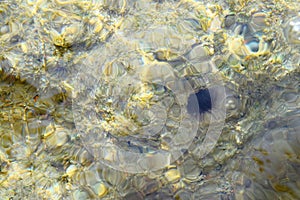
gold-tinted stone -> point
(71, 170)
(100, 189)
(172, 175)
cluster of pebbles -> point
(82, 81)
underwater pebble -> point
(172, 175)
(79, 195)
(258, 21)
(4, 29)
(58, 138)
(292, 30)
(100, 189)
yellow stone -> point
(172, 175)
(71, 170)
(100, 189)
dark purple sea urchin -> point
(204, 102)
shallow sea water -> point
(148, 99)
